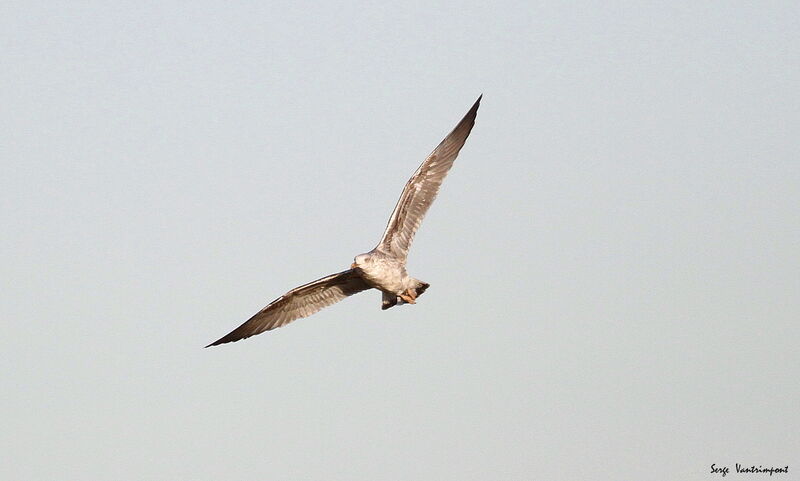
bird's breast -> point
(384, 276)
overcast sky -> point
(614, 259)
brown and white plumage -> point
(299, 302)
(422, 187)
(381, 268)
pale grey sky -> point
(614, 259)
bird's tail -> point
(391, 300)
(420, 287)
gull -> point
(382, 268)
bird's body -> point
(388, 274)
(382, 268)
(382, 272)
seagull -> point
(382, 268)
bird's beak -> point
(353, 265)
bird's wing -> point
(422, 187)
(299, 302)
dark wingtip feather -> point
(477, 102)
(462, 130)
(232, 336)
(217, 342)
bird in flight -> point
(382, 268)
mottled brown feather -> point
(297, 303)
(421, 189)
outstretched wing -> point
(299, 302)
(422, 187)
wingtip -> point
(224, 340)
(219, 341)
(232, 336)
(476, 104)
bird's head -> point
(359, 261)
